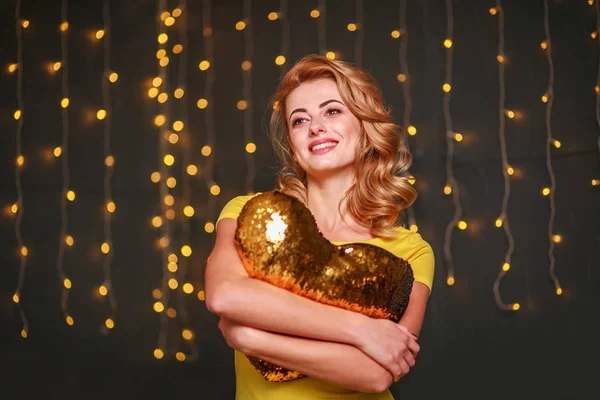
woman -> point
(344, 159)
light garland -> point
(285, 36)
(596, 182)
(207, 103)
(165, 181)
(320, 15)
(247, 65)
(17, 208)
(106, 288)
(451, 136)
(181, 13)
(67, 194)
(360, 34)
(507, 170)
(403, 78)
(548, 98)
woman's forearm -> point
(258, 304)
(335, 363)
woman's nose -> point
(317, 127)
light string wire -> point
(360, 35)
(503, 218)
(166, 244)
(597, 88)
(285, 34)
(451, 185)
(322, 26)
(107, 287)
(247, 89)
(66, 283)
(549, 99)
(186, 184)
(210, 118)
(403, 78)
(19, 209)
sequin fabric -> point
(279, 242)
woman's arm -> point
(335, 363)
(232, 294)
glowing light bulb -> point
(69, 320)
(395, 34)
(178, 126)
(168, 159)
(177, 49)
(99, 34)
(70, 195)
(280, 60)
(209, 227)
(401, 77)
(202, 103)
(158, 307)
(250, 147)
(105, 248)
(242, 105)
(331, 55)
(446, 87)
(448, 43)
(101, 114)
(505, 267)
(206, 150)
(102, 290)
(351, 27)
(188, 211)
(191, 169)
(162, 38)
(240, 25)
(462, 225)
(186, 251)
(187, 288)
(215, 190)
(273, 16)
(204, 65)
(186, 334)
(111, 207)
(499, 222)
(109, 323)
(158, 354)
(545, 191)
(447, 189)
(64, 103)
(450, 281)
(113, 77)
(315, 13)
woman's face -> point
(323, 133)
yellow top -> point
(250, 385)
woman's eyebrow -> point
(323, 104)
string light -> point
(250, 146)
(185, 177)
(167, 200)
(403, 79)
(67, 194)
(208, 149)
(597, 88)
(285, 35)
(360, 35)
(106, 288)
(320, 14)
(550, 192)
(451, 185)
(502, 220)
(18, 208)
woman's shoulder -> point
(407, 242)
(234, 206)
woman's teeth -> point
(323, 145)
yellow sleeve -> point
(233, 208)
(421, 260)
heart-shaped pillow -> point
(279, 242)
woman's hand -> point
(237, 336)
(389, 344)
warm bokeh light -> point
(250, 147)
(187, 288)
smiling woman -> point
(295, 324)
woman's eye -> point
(296, 121)
(333, 111)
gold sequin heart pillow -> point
(279, 242)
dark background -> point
(471, 349)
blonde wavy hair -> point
(381, 189)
